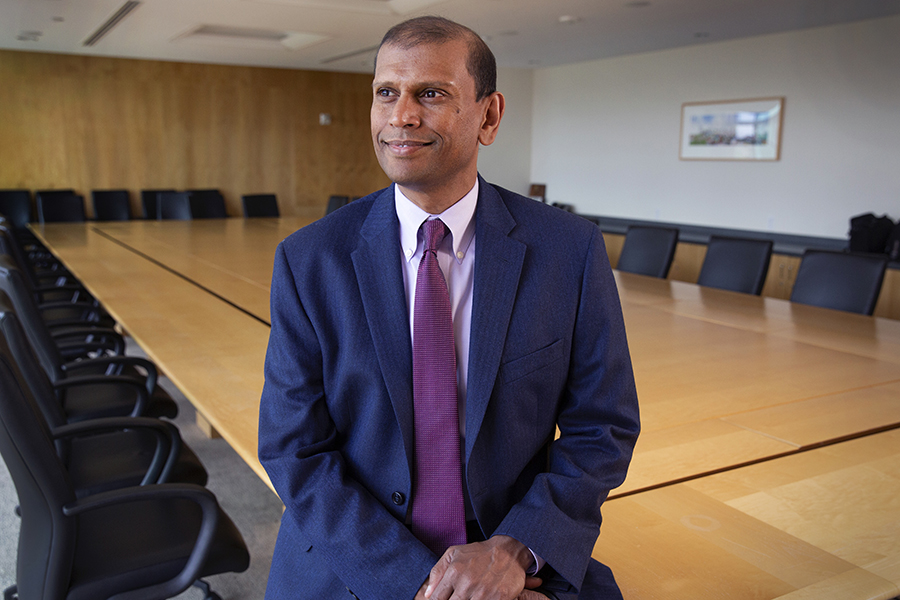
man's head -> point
(433, 103)
(481, 64)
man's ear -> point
(495, 105)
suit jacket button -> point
(398, 498)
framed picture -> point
(732, 130)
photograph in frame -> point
(732, 130)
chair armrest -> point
(136, 361)
(88, 334)
(64, 312)
(80, 304)
(93, 338)
(62, 286)
(83, 350)
(165, 491)
(141, 401)
(168, 440)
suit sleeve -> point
(598, 419)
(369, 549)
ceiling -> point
(340, 35)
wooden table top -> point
(230, 257)
(818, 524)
(211, 350)
(723, 379)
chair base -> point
(202, 585)
(11, 593)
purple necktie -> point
(438, 511)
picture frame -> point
(538, 191)
(732, 129)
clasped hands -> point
(491, 570)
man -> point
(517, 330)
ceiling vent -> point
(110, 23)
(364, 53)
(247, 37)
(382, 7)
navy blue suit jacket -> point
(547, 349)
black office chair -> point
(155, 540)
(111, 205)
(260, 205)
(736, 264)
(60, 208)
(840, 280)
(15, 205)
(50, 282)
(336, 202)
(648, 250)
(174, 206)
(102, 454)
(148, 203)
(207, 204)
(135, 392)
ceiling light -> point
(29, 36)
(114, 20)
(248, 37)
(569, 19)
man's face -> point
(426, 124)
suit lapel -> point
(378, 272)
(498, 266)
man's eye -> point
(384, 92)
(430, 94)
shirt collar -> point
(458, 219)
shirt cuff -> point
(537, 565)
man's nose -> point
(406, 112)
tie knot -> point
(435, 231)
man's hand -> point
(489, 570)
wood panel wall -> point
(101, 123)
(779, 281)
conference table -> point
(748, 404)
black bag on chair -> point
(893, 243)
(869, 233)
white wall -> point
(507, 162)
(605, 133)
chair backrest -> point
(207, 204)
(13, 284)
(840, 280)
(148, 203)
(111, 205)
(174, 205)
(736, 264)
(260, 205)
(54, 208)
(648, 250)
(335, 202)
(10, 245)
(34, 376)
(46, 536)
(15, 205)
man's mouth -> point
(406, 143)
(405, 147)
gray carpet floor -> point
(248, 501)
